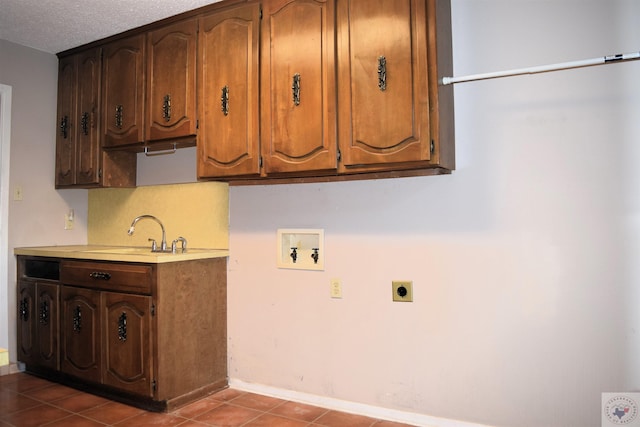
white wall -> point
(39, 218)
(523, 260)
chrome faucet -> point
(163, 244)
(174, 245)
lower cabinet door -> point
(80, 330)
(127, 340)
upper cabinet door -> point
(228, 138)
(88, 114)
(123, 86)
(383, 92)
(171, 81)
(65, 132)
(298, 86)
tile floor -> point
(27, 401)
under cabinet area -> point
(148, 334)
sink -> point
(124, 250)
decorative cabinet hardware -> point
(77, 319)
(119, 114)
(99, 275)
(382, 73)
(24, 309)
(64, 127)
(84, 123)
(44, 312)
(224, 100)
(295, 88)
(122, 327)
(166, 108)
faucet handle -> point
(154, 245)
(174, 245)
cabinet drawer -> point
(134, 278)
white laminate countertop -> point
(119, 253)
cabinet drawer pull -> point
(382, 73)
(295, 88)
(99, 275)
(24, 309)
(64, 127)
(224, 100)
(166, 108)
(119, 114)
(44, 313)
(122, 327)
(84, 123)
(77, 319)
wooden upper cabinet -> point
(78, 136)
(298, 101)
(228, 138)
(65, 132)
(171, 81)
(383, 92)
(123, 89)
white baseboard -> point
(11, 368)
(350, 407)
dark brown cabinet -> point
(151, 335)
(228, 93)
(384, 95)
(298, 87)
(81, 333)
(124, 66)
(171, 81)
(37, 326)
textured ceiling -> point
(57, 25)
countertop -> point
(119, 253)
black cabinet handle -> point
(100, 275)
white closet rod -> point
(544, 68)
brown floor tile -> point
(341, 419)
(112, 412)
(391, 424)
(80, 402)
(299, 411)
(269, 420)
(23, 382)
(36, 416)
(151, 419)
(197, 408)
(257, 401)
(227, 394)
(228, 416)
(14, 402)
(192, 423)
(51, 393)
(75, 421)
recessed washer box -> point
(300, 248)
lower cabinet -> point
(150, 335)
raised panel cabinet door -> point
(382, 67)
(127, 342)
(88, 114)
(171, 81)
(65, 123)
(298, 86)
(123, 69)
(47, 306)
(228, 139)
(26, 326)
(80, 330)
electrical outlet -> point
(336, 288)
(402, 290)
(17, 193)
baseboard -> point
(11, 368)
(350, 407)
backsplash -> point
(199, 212)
